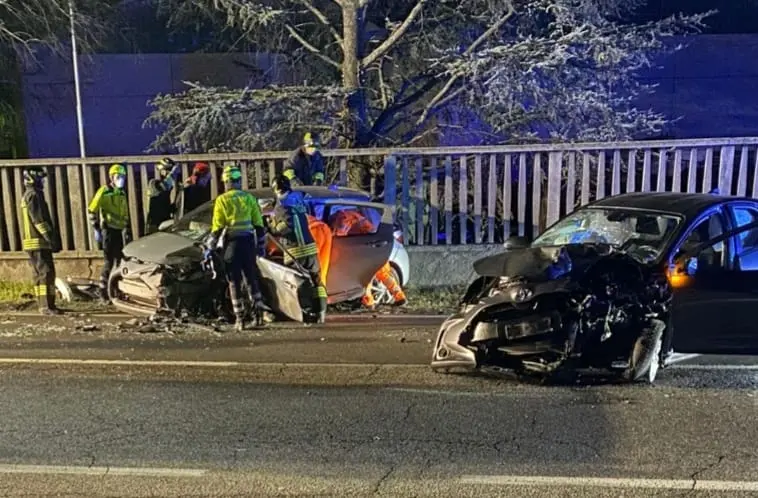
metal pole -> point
(79, 118)
(77, 87)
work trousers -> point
(43, 268)
(239, 263)
(113, 252)
(312, 266)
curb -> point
(338, 316)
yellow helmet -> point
(311, 140)
(231, 173)
(117, 169)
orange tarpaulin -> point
(323, 238)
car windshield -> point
(643, 234)
(196, 224)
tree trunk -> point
(355, 133)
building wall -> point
(115, 89)
(710, 84)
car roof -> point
(317, 192)
(687, 205)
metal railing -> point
(444, 196)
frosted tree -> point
(391, 72)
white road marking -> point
(181, 363)
(610, 482)
(714, 367)
(100, 471)
(680, 357)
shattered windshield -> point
(642, 234)
(195, 225)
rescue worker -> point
(160, 208)
(196, 190)
(322, 236)
(351, 221)
(40, 240)
(109, 216)
(238, 212)
(306, 164)
(290, 222)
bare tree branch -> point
(310, 48)
(323, 19)
(454, 78)
(393, 38)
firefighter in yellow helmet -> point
(40, 240)
(109, 216)
(238, 212)
(290, 222)
(306, 164)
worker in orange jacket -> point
(350, 221)
(323, 238)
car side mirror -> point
(166, 225)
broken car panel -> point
(612, 287)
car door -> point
(714, 307)
(356, 257)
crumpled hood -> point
(541, 263)
(163, 248)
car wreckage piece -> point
(556, 309)
(176, 280)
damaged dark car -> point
(614, 287)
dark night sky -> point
(734, 16)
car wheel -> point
(379, 291)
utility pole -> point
(79, 118)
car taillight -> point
(399, 236)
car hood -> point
(542, 263)
(163, 248)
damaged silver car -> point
(164, 271)
(605, 288)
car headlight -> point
(520, 294)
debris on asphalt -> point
(88, 328)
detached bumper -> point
(448, 353)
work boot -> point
(321, 317)
(239, 324)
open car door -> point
(287, 290)
(715, 303)
(359, 254)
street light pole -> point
(77, 87)
(79, 118)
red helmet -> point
(201, 169)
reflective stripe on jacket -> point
(38, 230)
(290, 222)
(109, 207)
(238, 212)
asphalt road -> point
(131, 426)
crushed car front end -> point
(536, 310)
(158, 272)
(513, 318)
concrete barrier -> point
(431, 266)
